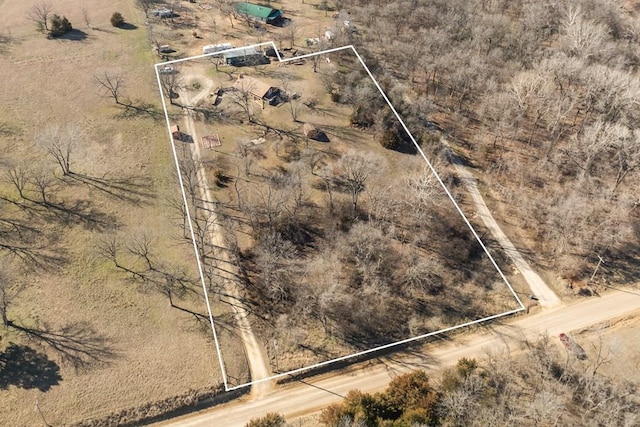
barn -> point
(245, 56)
(259, 12)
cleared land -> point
(130, 346)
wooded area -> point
(541, 97)
(543, 386)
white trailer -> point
(213, 48)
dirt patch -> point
(615, 344)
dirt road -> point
(258, 365)
(539, 288)
(301, 398)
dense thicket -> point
(544, 98)
(542, 387)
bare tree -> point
(85, 16)
(60, 144)
(228, 9)
(6, 295)
(171, 83)
(627, 156)
(190, 168)
(292, 98)
(18, 175)
(292, 33)
(243, 98)
(111, 85)
(177, 207)
(145, 5)
(355, 169)
(43, 181)
(40, 14)
(273, 256)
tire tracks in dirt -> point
(258, 366)
(544, 294)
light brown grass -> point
(159, 352)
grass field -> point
(145, 350)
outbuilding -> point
(245, 56)
(175, 133)
(213, 48)
(259, 12)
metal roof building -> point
(245, 56)
(259, 12)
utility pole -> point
(600, 261)
(275, 351)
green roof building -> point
(259, 12)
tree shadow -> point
(103, 30)
(78, 343)
(77, 212)
(6, 41)
(73, 35)
(134, 190)
(134, 110)
(127, 26)
(24, 367)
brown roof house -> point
(258, 90)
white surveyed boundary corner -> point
(199, 261)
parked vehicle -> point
(168, 69)
(572, 347)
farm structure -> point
(176, 133)
(245, 56)
(256, 89)
(213, 48)
(312, 132)
(260, 13)
(163, 13)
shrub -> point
(117, 20)
(59, 26)
(389, 139)
(269, 420)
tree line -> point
(541, 386)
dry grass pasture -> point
(138, 348)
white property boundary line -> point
(199, 262)
(193, 236)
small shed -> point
(175, 132)
(312, 132)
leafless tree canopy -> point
(60, 143)
(111, 85)
(543, 98)
(40, 13)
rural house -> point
(259, 13)
(259, 91)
